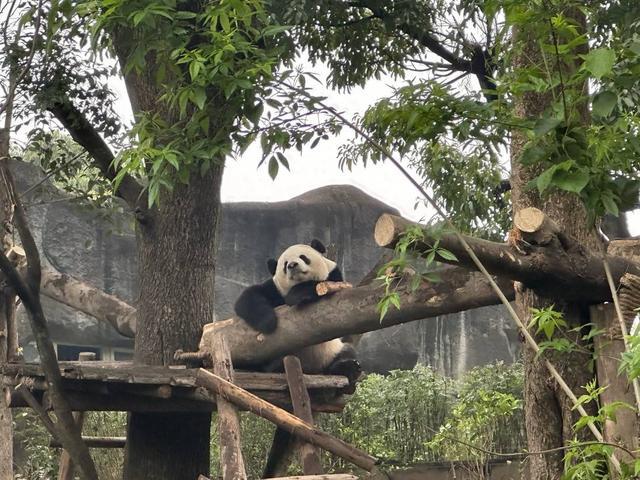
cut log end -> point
(325, 288)
(529, 220)
(387, 230)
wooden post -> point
(65, 468)
(284, 419)
(609, 347)
(309, 455)
(231, 459)
(6, 420)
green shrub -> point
(406, 417)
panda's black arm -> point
(256, 304)
(335, 275)
(302, 293)
(306, 291)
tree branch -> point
(548, 262)
(85, 135)
(90, 300)
(28, 292)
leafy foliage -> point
(405, 267)
(397, 417)
(487, 415)
(450, 142)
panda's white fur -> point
(318, 269)
(316, 358)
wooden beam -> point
(284, 419)
(96, 442)
(609, 347)
(126, 373)
(331, 476)
(354, 311)
(309, 455)
(90, 300)
(231, 459)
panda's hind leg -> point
(346, 364)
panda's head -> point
(300, 263)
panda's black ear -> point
(272, 265)
(318, 245)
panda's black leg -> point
(346, 364)
(280, 454)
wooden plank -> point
(309, 454)
(609, 346)
(96, 442)
(231, 459)
(285, 420)
(192, 400)
(125, 372)
(330, 476)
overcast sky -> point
(244, 181)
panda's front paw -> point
(347, 367)
(267, 324)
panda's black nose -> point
(292, 265)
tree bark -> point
(554, 264)
(353, 311)
(176, 242)
(548, 414)
(176, 252)
(90, 300)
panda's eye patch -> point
(305, 259)
(285, 267)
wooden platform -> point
(122, 386)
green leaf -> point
(544, 179)
(599, 62)
(610, 205)
(571, 181)
(604, 103)
(545, 125)
(273, 167)
(447, 255)
(224, 22)
(199, 97)
(532, 155)
(194, 68)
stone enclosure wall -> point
(101, 251)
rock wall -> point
(100, 249)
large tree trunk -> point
(548, 414)
(176, 267)
(176, 260)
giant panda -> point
(293, 281)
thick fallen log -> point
(353, 311)
(543, 259)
